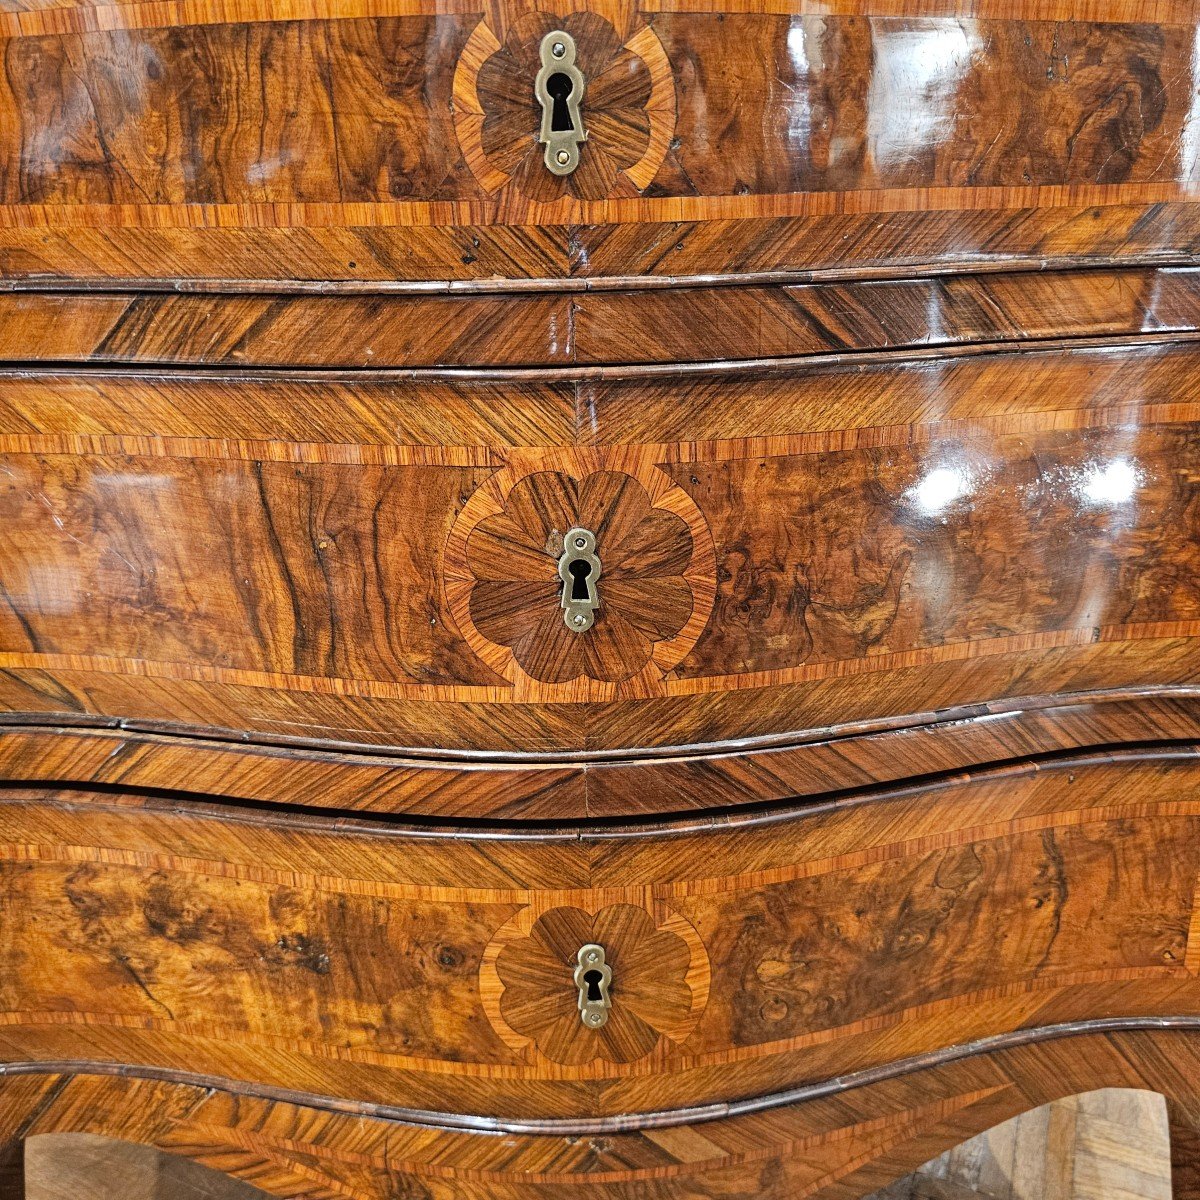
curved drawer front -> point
(405, 144)
(438, 971)
(377, 561)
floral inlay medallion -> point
(655, 591)
(652, 991)
(630, 105)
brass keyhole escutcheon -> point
(579, 569)
(559, 89)
(593, 977)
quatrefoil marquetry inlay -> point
(504, 581)
(659, 975)
(629, 112)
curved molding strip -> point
(926, 721)
(684, 324)
(575, 373)
(654, 827)
(750, 777)
(624, 1122)
(573, 284)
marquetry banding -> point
(40, 18)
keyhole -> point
(592, 979)
(560, 87)
(580, 571)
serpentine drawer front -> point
(598, 602)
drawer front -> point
(368, 144)
(441, 971)
(838, 549)
(637, 325)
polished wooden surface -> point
(838, 1146)
(596, 328)
(867, 344)
(948, 955)
(1104, 1145)
(387, 140)
(423, 970)
(288, 556)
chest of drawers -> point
(671, 671)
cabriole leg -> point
(1184, 1125)
(12, 1170)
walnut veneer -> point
(865, 339)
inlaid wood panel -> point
(394, 138)
(803, 1001)
(877, 775)
(370, 558)
(600, 327)
(432, 969)
(324, 112)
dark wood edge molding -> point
(624, 1122)
(759, 367)
(499, 286)
(450, 758)
(656, 826)
(588, 333)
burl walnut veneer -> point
(655, 666)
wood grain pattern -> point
(323, 112)
(253, 124)
(902, 235)
(833, 1147)
(285, 555)
(1109, 1144)
(605, 327)
(321, 986)
(367, 961)
(33, 17)
(866, 342)
(630, 103)
(597, 784)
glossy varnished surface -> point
(863, 962)
(267, 554)
(294, 112)
(840, 1145)
(425, 971)
(1078, 1146)
(377, 329)
(724, 141)
(866, 344)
